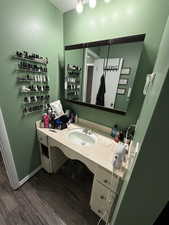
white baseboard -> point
(25, 179)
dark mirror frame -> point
(121, 40)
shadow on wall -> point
(137, 96)
(61, 77)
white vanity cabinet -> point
(105, 190)
(102, 199)
(56, 148)
(52, 158)
(105, 177)
(43, 138)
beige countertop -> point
(101, 153)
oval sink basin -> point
(79, 137)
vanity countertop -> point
(101, 153)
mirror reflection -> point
(102, 75)
(73, 78)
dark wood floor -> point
(46, 200)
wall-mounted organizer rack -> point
(33, 80)
(72, 82)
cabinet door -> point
(102, 199)
(57, 158)
(110, 180)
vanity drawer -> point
(102, 199)
(105, 177)
(43, 138)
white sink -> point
(79, 137)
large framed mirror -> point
(101, 74)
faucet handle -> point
(89, 131)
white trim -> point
(84, 76)
(7, 156)
(87, 52)
(25, 179)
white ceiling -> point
(64, 5)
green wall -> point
(35, 26)
(116, 19)
(148, 188)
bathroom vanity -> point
(93, 149)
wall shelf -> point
(34, 78)
(29, 60)
(35, 103)
(30, 71)
(35, 92)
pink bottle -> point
(46, 120)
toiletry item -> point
(76, 118)
(57, 109)
(120, 155)
(24, 89)
(46, 120)
(19, 54)
(59, 124)
(115, 131)
(27, 99)
(121, 136)
(44, 79)
(36, 88)
(72, 117)
(63, 126)
(64, 119)
(38, 78)
(35, 98)
(52, 120)
(41, 79)
(116, 138)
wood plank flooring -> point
(46, 200)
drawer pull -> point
(102, 197)
(99, 211)
(105, 181)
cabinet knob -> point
(102, 197)
(99, 211)
(105, 181)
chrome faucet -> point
(87, 131)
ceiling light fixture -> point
(92, 3)
(79, 6)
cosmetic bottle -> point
(115, 131)
(46, 120)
